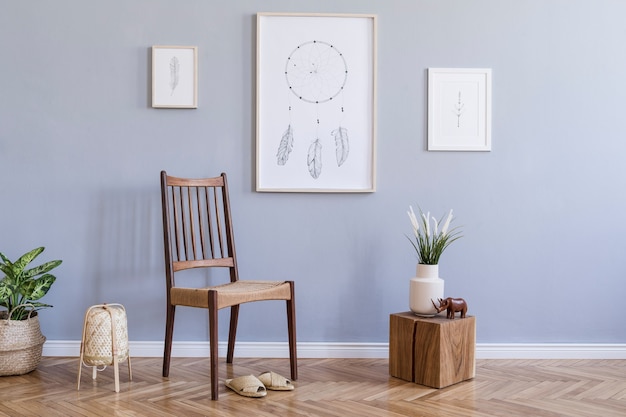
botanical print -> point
(174, 73)
(174, 76)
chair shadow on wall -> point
(125, 256)
(125, 263)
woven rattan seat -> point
(198, 233)
(231, 294)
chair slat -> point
(218, 220)
(175, 222)
(203, 263)
(183, 223)
(192, 232)
(195, 182)
(200, 222)
(207, 192)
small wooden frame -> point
(175, 77)
(433, 351)
(459, 109)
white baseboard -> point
(354, 350)
(551, 351)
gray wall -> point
(541, 259)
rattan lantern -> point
(105, 340)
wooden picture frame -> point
(175, 77)
(459, 109)
(316, 102)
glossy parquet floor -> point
(326, 387)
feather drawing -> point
(342, 146)
(314, 159)
(174, 73)
(285, 147)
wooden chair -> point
(198, 233)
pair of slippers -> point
(256, 387)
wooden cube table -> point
(435, 351)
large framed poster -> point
(316, 102)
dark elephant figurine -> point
(452, 305)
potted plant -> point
(21, 341)
(430, 242)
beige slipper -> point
(275, 382)
(247, 386)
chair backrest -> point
(197, 226)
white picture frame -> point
(459, 109)
(316, 102)
(175, 77)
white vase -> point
(425, 286)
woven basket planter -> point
(21, 344)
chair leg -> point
(232, 333)
(291, 325)
(213, 343)
(169, 333)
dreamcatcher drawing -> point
(316, 73)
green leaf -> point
(6, 269)
(5, 292)
(41, 269)
(19, 265)
(34, 289)
(4, 288)
(4, 258)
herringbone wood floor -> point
(326, 387)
